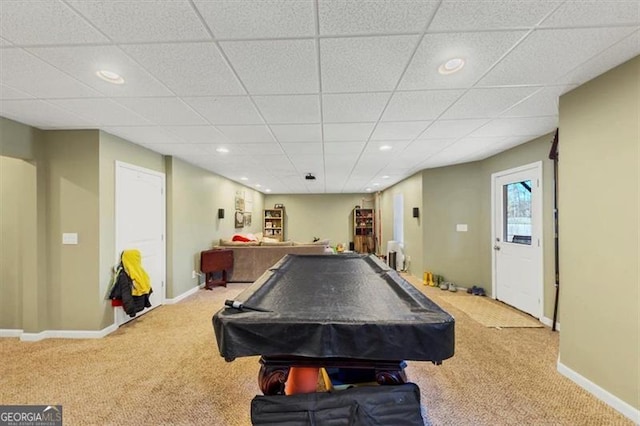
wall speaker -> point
(220, 213)
(416, 212)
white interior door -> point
(517, 238)
(140, 224)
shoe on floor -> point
(472, 289)
(444, 286)
(481, 292)
(452, 287)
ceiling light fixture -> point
(385, 177)
(368, 189)
(385, 147)
(244, 178)
(222, 150)
(376, 184)
(451, 66)
(310, 176)
(267, 190)
(110, 76)
(258, 185)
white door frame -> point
(539, 223)
(163, 257)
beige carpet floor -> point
(488, 312)
(164, 369)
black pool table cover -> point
(335, 306)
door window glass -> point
(517, 212)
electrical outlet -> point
(194, 274)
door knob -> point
(496, 247)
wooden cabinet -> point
(364, 240)
(274, 224)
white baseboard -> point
(549, 322)
(68, 334)
(6, 332)
(183, 296)
(603, 395)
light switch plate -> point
(461, 227)
(70, 238)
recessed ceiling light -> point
(258, 185)
(385, 177)
(385, 147)
(267, 190)
(244, 178)
(222, 150)
(376, 184)
(451, 66)
(368, 189)
(110, 76)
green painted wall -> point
(319, 215)
(599, 231)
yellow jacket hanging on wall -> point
(132, 262)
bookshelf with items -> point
(274, 224)
(364, 240)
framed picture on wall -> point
(278, 206)
(247, 219)
(238, 219)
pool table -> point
(345, 311)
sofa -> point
(250, 260)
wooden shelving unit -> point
(364, 240)
(274, 224)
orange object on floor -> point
(301, 380)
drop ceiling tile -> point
(487, 103)
(399, 130)
(275, 66)
(594, 13)
(143, 21)
(343, 148)
(198, 134)
(256, 149)
(264, 19)
(188, 69)
(615, 55)
(353, 107)
(40, 114)
(314, 148)
(347, 132)
(289, 109)
(82, 62)
(480, 50)
(451, 128)
(339, 17)
(226, 109)
(102, 112)
(364, 64)
(22, 71)
(44, 22)
(395, 146)
(543, 102)
(517, 127)
(297, 132)
(421, 148)
(163, 111)
(179, 150)
(563, 50)
(420, 105)
(246, 134)
(306, 163)
(7, 92)
(143, 135)
(490, 15)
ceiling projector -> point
(309, 176)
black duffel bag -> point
(397, 405)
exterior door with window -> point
(517, 238)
